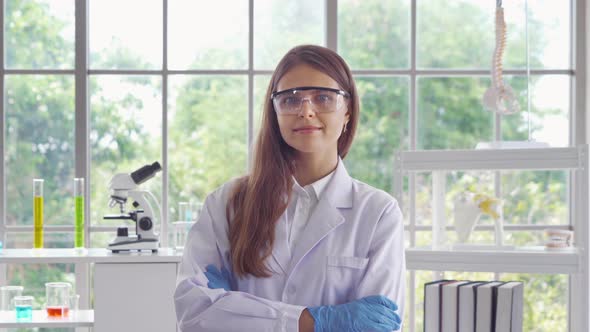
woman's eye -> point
(323, 98)
(291, 101)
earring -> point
(345, 124)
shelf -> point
(80, 318)
(493, 159)
(92, 255)
(522, 259)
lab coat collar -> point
(339, 190)
(324, 218)
(313, 190)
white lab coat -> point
(352, 247)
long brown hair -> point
(260, 198)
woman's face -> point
(309, 131)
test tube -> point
(79, 217)
(38, 212)
(180, 227)
(74, 303)
(196, 210)
(184, 211)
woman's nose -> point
(306, 110)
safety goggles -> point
(322, 100)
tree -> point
(40, 133)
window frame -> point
(82, 74)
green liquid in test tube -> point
(38, 213)
(79, 204)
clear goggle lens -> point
(321, 100)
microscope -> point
(124, 186)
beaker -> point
(184, 211)
(196, 210)
(7, 294)
(24, 308)
(38, 213)
(79, 212)
(58, 298)
(180, 230)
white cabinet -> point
(134, 297)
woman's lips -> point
(307, 130)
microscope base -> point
(126, 244)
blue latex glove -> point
(216, 278)
(371, 313)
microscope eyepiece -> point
(145, 173)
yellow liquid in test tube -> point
(38, 218)
(38, 213)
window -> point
(184, 85)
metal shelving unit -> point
(573, 262)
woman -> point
(300, 244)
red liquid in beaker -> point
(57, 311)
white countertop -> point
(91, 255)
(520, 259)
(79, 318)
